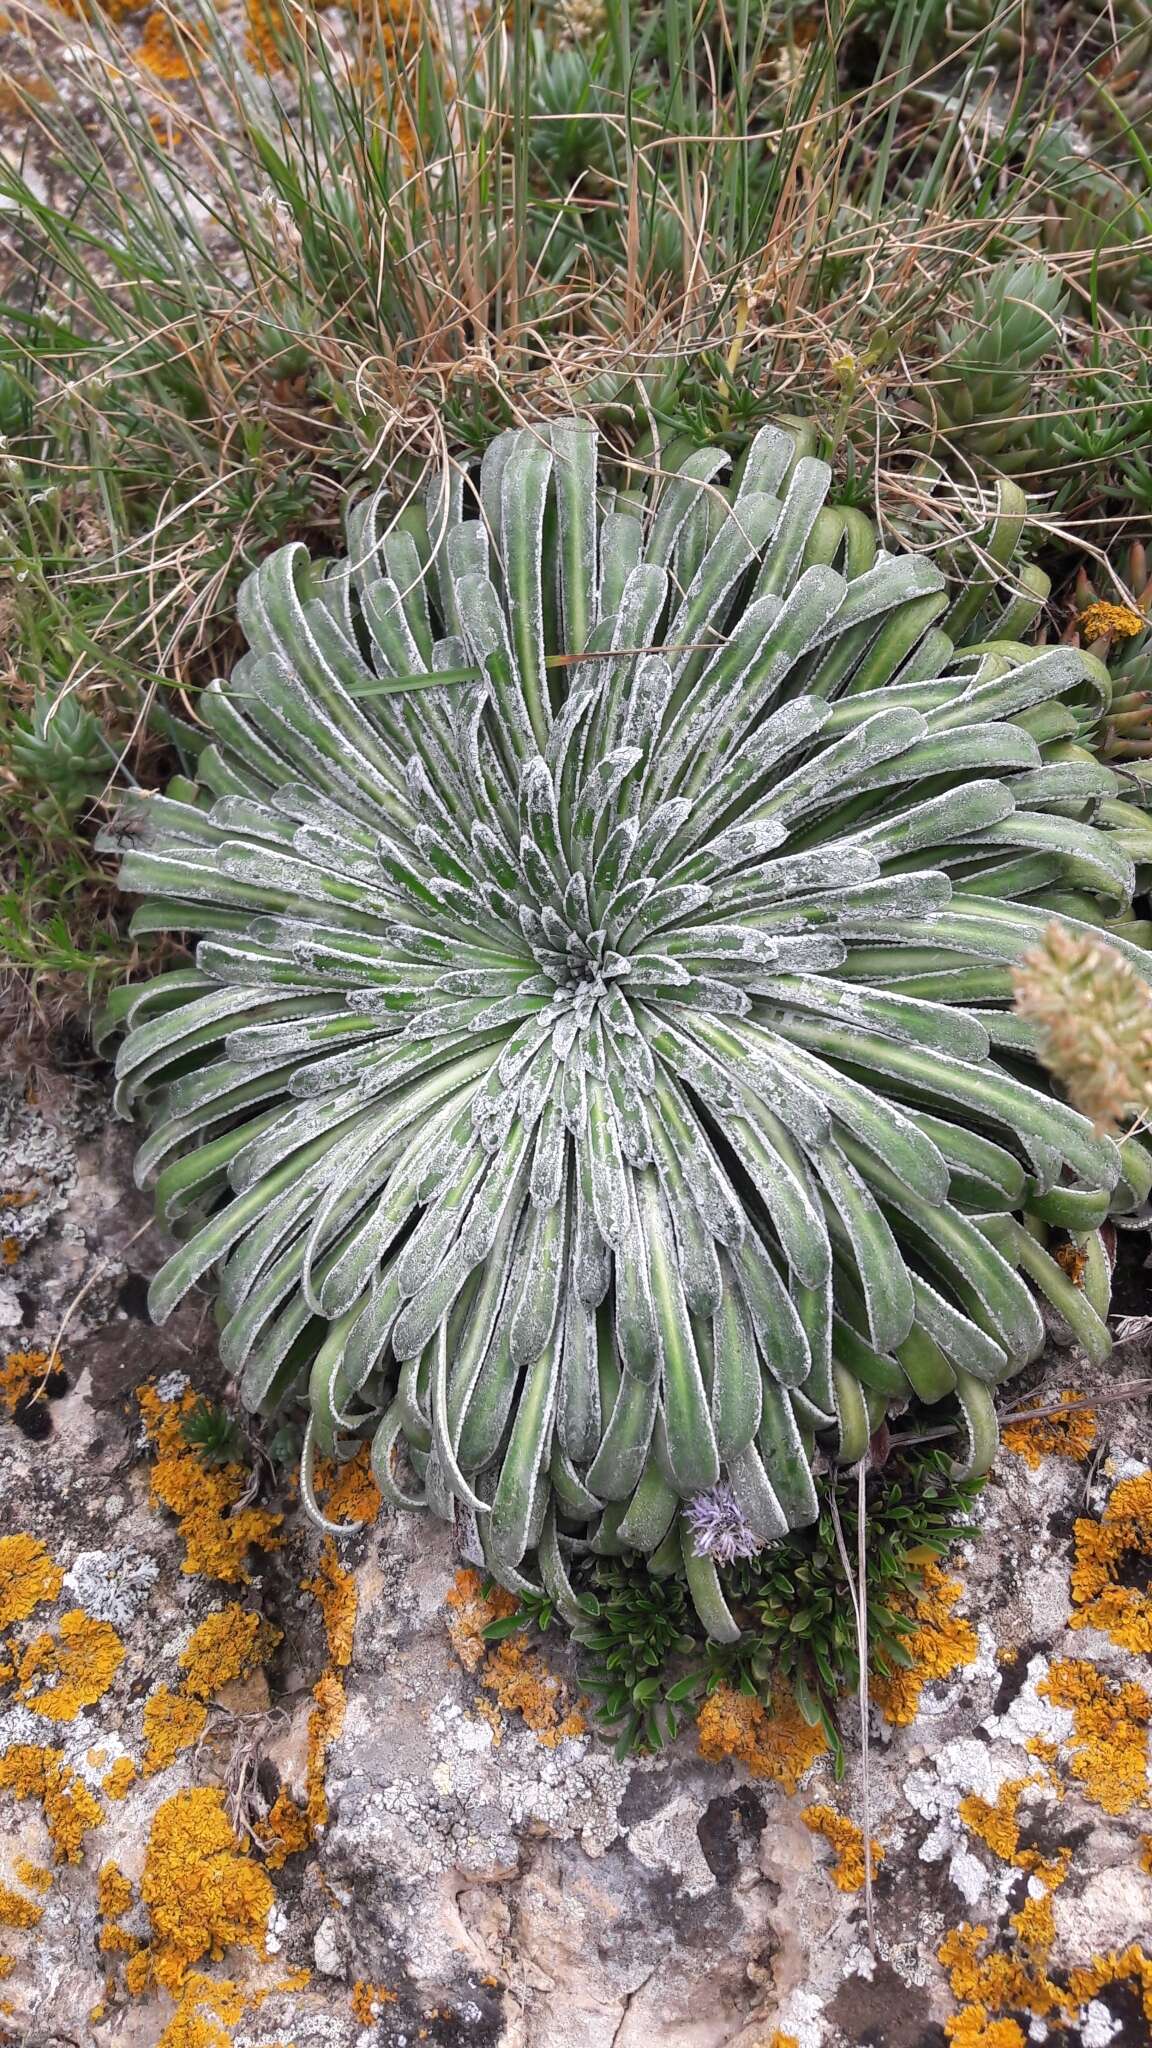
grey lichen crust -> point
(596, 1080)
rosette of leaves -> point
(59, 747)
(981, 391)
(596, 1078)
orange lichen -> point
(1070, 1434)
(972, 2028)
(203, 1892)
(208, 2008)
(70, 1811)
(324, 1725)
(1104, 1551)
(1146, 1854)
(33, 1875)
(998, 1827)
(349, 1492)
(286, 1831)
(217, 1533)
(488, 1711)
(780, 1745)
(16, 1910)
(334, 1590)
(847, 1841)
(28, 1577)
(169, 49)
(81, 1660)
(265, 34)
(1130, 1966)
(228, 1645)
(9, 1250)
(22, 1374)
(943, 1642)
(367, 2000)
(470, 1609)
(114, 1893)
(1008, 1981)
(509, 1671)
(1103, 621)
(117, 1782)
(1002, 1983)
(171, 1722)
(115, 1897)
(520, 1684)
(780, 2040)
(1108, 1747)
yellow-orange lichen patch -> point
(1130, 1966)
(117, 1783)
(228, 1645)
(348, 1492)
(973, 2028)
(171, 1722)
(16, 1910)
(780, 1744)
(510, 1671)
(286, 1831)
(1146, 1853)
(334, 1590)
(470, 1609)
(80, 1662)
(1108, 1747)
(115, 1897)
(33, 1876)
(368, 2000)
(209, 2007)
(1070, 1433)
(28, 1577)
(169, 48)
(847, 1842)
(203, 1892)
(997, 1982)
(520, 1684)
(1103, 1550)
(70, 1811)
(114, 1893)
(217, 1533)
(943, 1642)
(324, 1725)
(997, 1825)
(994, 1985)
(22, 1374)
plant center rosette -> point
(598, 1081)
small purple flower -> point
(718, 1528)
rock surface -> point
(473, 1885)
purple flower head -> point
(717, 1526)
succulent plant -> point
(981, 391)
(597, 1080)
(60, 747)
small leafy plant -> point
(215, 1435)
(646, 1661)
(597, 1082)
